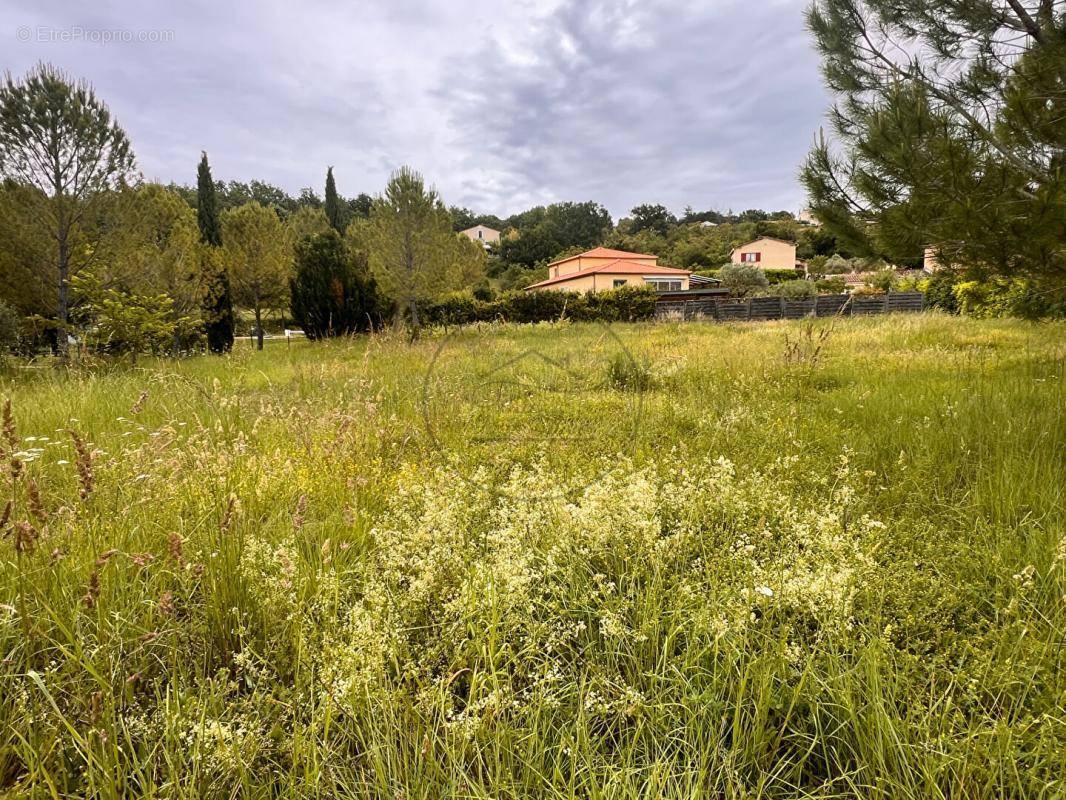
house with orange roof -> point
(602, 269)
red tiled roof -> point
(619, 267)
(602, 252)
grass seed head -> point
(34, 502)
(298, 515)
(83, 463)
(138, 406)
(10, 436)
(175, 548)
(25, 538)
(165, 606)
(227, 516)
(92, 589)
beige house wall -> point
(487, 234)
(774, 254)
(604, 282)
(931, 263)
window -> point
(619, 282)
(751, 258)
(481, 234)
(664, 284)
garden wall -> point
(766, 308)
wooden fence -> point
(766, 308)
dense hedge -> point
(620, 305)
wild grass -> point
(769, 563)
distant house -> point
(931, 262)
(854, 280)
(767, 253)
(603, 269)
(482, 234)
(806, 217)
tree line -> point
(89, 253)
(93, 255)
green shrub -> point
(940, 291)
(1010, 297)
(626, 304)
(831, 286)
(743, 279)
(884, 280)
(459, 308)
(776, 276)
(836, 265)
(795, 289)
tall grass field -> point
(771, 560)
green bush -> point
(940, 291)
(795, 289)
(836, 265)
(626, 304)
(884, 280)
(1010, 297)
(776, 276)
(831, 286)
(619, 305)
(743, 279)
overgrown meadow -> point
(656, 560)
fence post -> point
(888, 292)
(749, 309)
(781, 307)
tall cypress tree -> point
(333, 203)
(218, 299)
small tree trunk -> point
(258, 327)
(416, 324)
(63, 303)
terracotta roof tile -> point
(602, 252)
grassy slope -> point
(336, 576)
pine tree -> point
(218, 299)
(259, 254)
(949, 132)
(59, 141)
(333, 203)
(413, 251)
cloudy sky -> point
(502, 105)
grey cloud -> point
(712, 104)
(713, 107)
